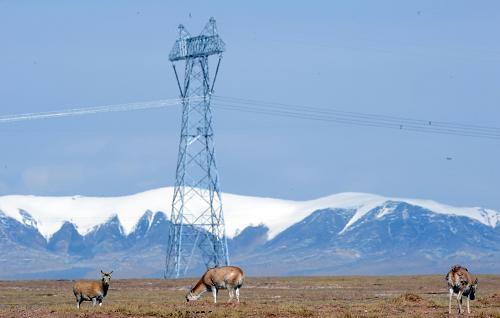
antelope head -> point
(106, 277)
(473, 289)
(195, 293)
(192, 297)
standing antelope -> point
(227, 277)
(462, 283)
(92, 291)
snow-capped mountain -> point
(48, 214)
(341, 233)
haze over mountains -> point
(346, 233)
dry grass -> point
(418, 296)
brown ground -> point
(418, 296)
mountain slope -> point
(23, 233)
(67, 240)
(408, 239)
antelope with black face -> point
(461, 283)
(92, 291)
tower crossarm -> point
(196, 46)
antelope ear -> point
(102, 272)
(110, 273)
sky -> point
(432, 60)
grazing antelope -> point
(227, 277)
(92, 291)
(462, 283)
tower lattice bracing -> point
(198, 229)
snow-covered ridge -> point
(49, 213)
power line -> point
(356, 118)
(304, 112)
(354, 114)
(95, 110)
(353, 122)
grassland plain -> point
(353, 296)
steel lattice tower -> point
(197, 218)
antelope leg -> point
(449, 302)
(214, 293)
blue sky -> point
(437, 60)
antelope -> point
(462, 283)
(227, 277)
(92, 291)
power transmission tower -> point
(197, 218)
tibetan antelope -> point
(227, 277)
(462, 283)
(92, 291)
